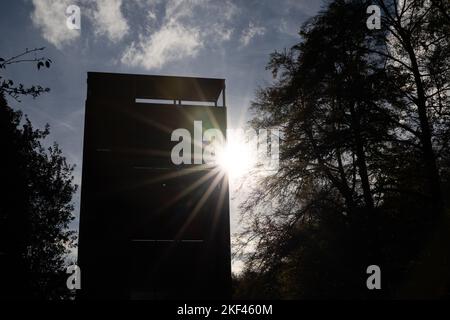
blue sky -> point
(207, 38)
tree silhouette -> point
(7, 86)
(418, 50)
(35, 205)
(361, 179)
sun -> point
(235, 158)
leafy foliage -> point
(35, 207)
(362, 167)
(8, 87)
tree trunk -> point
(426, 133)
(361, 158)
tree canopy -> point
(363, 157)
(36, 192)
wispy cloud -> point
(108, 19)
(184, 29)
(172, 42)
(250, 32)
(49, 17)
(180, 30)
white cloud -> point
(221, 32)
(49, 16)
(289, 27)
(172, 29)
(172, 42)
(251, 32)
(185, 27)
(108, 20)
(151, 15)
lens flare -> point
(235, 159)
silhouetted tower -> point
(150, 229)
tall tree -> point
(35, 202)
(349, 190)
(416, 36)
